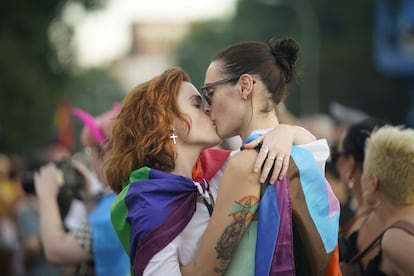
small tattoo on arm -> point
(243, 212)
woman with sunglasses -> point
(154, 155)
(296, 228)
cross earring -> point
(174, 137)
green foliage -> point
(196, 51)
(95, 91)
(33, 75)
(28, 84)
(251, 23)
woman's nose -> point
(207, 108)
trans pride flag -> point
(155, 206)
(305, 201)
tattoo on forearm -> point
(243, 212)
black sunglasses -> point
(205, 89)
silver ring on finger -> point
(280, 158)
(265, 149)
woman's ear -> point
(374, 183)
(246, 83)
(370, 191)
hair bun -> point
(286, 49)
(286, 53)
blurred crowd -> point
(22, 228)
(47, 230)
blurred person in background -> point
(323, 127)
(345, 116)
(10, 258)
(93, 246)
(385, 242)
(10, 190)
(348, 156)
(27, 214)
(10, 193)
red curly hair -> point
(141, 132)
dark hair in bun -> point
(273, 62)
(286, 53)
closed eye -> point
(197, 101)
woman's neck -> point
(185, 161)
(259, 121)
(357, 189)
(390, 213)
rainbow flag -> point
(155, 206)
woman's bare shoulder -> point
(397, 250)
(243, 161)
(241, 164)
(395, 238)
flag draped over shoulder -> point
(155, 206)
(209, 163)
(300, 210)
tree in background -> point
(37, 70)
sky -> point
(103, 35)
